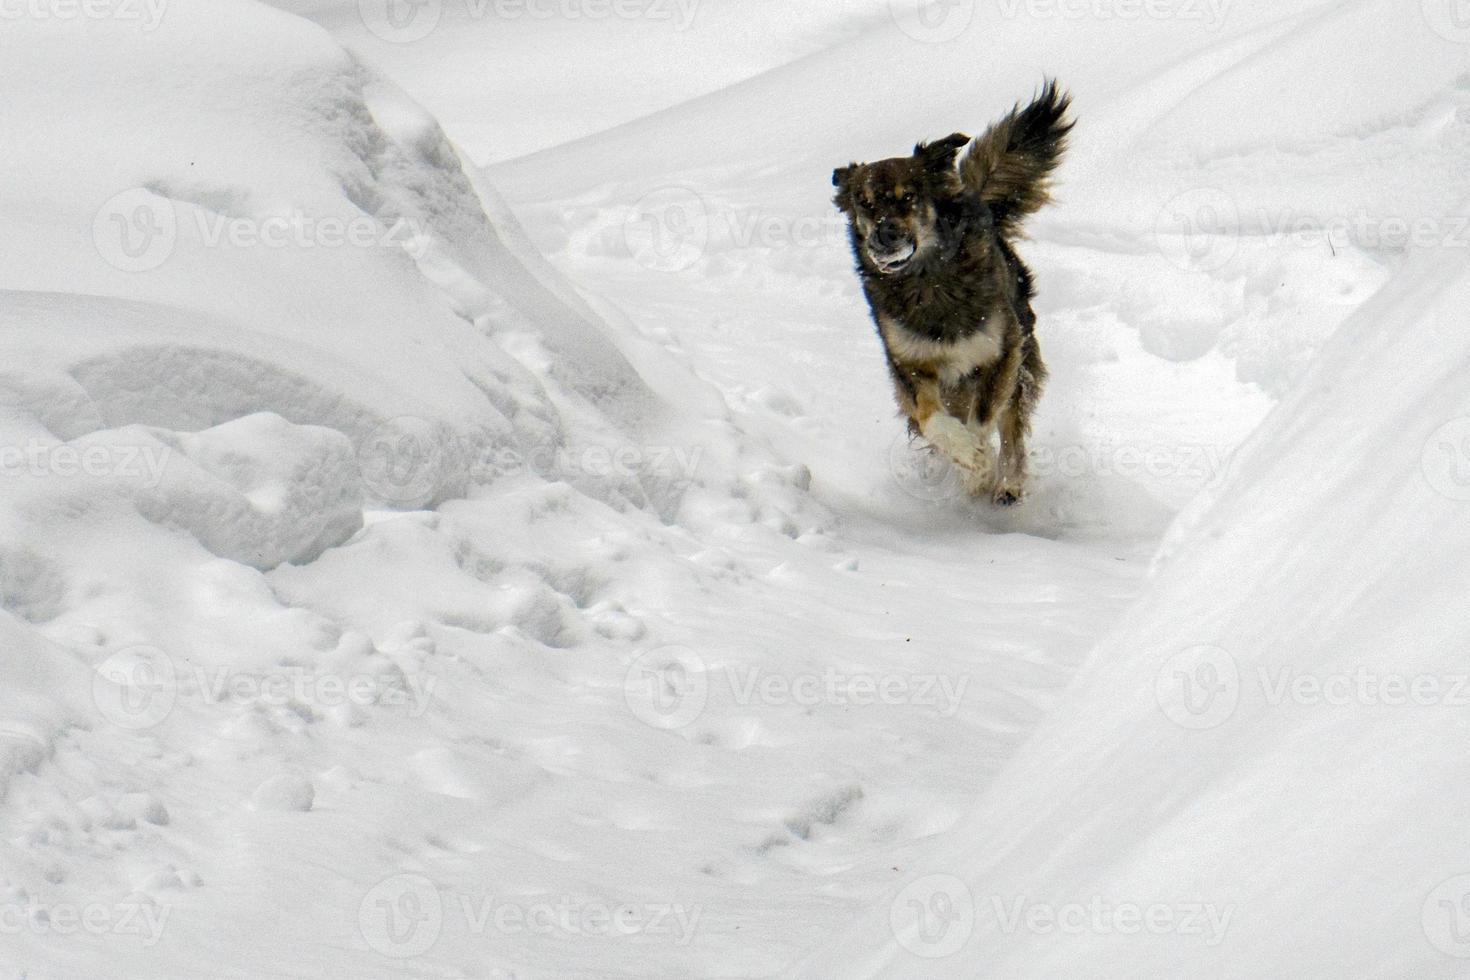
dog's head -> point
(894, 206)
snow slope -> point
(1281, 778)
(380, 603)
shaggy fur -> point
(951, 299)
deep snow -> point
(385, 599)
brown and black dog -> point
(951, 298)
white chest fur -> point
(952, 360)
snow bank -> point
(39, 682)
(1275, 736)
(241, 279)
(258, 489)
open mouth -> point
(892, 261)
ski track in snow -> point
(642, 691)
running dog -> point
(950, 296)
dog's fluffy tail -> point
(1011, 163)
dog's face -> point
(893, 205)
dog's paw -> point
(955, 440)
(1007, 495)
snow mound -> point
(1276, 753)
(258, 489)
(194, 281)
(38, 687)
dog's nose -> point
(888, 232)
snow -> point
(455, 523)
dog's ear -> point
(840, 180)
(939, 155)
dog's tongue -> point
(896, 260)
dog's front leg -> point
(952, 437)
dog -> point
(950, 296)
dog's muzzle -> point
(892, 261)
(890, 247)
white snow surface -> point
(455, 523)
